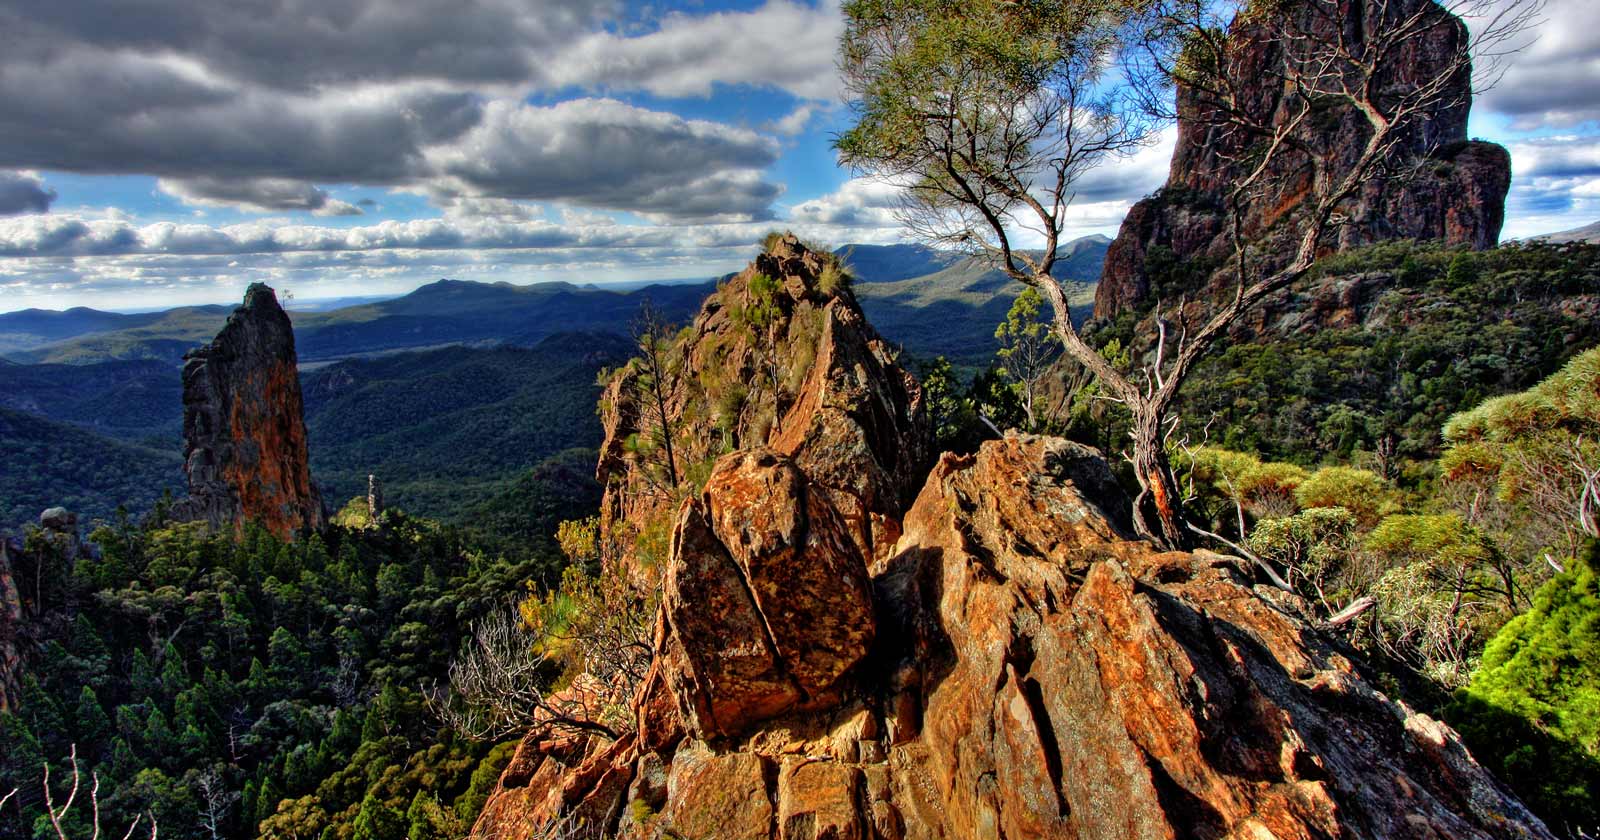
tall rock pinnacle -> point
(243, 425)
(1456, 192)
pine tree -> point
(93, 724)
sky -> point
(167, 152)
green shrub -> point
(1532, 711)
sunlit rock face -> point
(244, 426)
(995, 657)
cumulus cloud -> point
(24, 192)
(1555, 184)
(606, 153)
(795, 121)
(263, 194)
(74, 236)
(1551, 80)
(782, 44)
(864, 202)
(1130, 178)
(252, 105)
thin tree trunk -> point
(1158, 511)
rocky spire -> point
(1455, 190)
(374, 497)
(243, 425)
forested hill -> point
(446, 430)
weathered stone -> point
(817, 383)
(243, 426)
(718, 795)
(817, 801)
(1082, 685)
(10, 628)
(59, 519)
(1015, 665)
(767, 600)
(1455, 190)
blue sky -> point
(173, 151)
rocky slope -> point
(1456, 195)
(244, 427)
(996, 658)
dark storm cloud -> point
(23, 192)
(303, 44)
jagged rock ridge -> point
(816, 383)
(1457, 194)
(1013, 665)
(244, 426)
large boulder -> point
(767, 602)
(1444, 186)
(244, 426)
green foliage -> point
(833, 278)
(1366, 494)
(1441, 587)
(1537, 451)
(449, 430)
(1313, 546)
(761, 311)
(62, 464)
(253, 682)
(1532, 711)
(1429, 343)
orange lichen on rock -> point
(244, 427)
(1018, 666)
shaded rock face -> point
(244, 427)
(1457, 194)
(10, 628)
(816, 384)
(1028, 670)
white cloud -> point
(794, 122)
(782, 44)
(608, 154)
(1554, 79)
(866, 202)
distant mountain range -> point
(1587, 233)
(931, 302)
(411, 388)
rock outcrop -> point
(244, 427)
(1454, 189)
(786, 361)
(1013, 663)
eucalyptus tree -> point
(988, 113)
